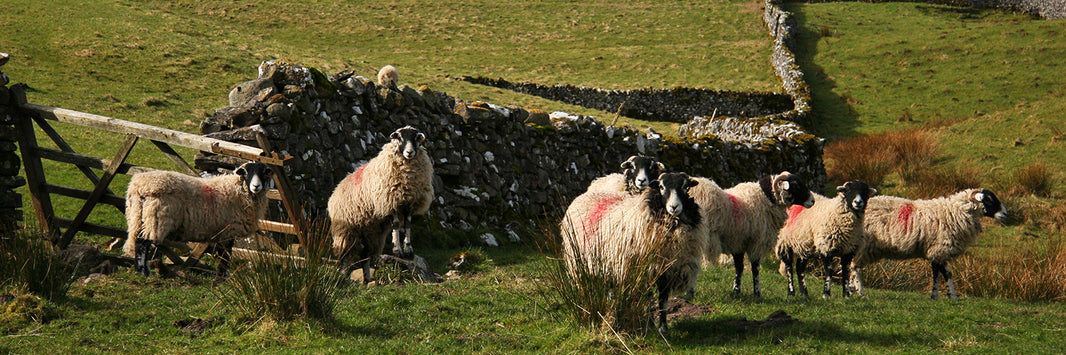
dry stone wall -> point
(494, 165)
(10, 201)
(1047, 9)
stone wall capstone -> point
(1047, 9)
(494, 165)
(10, 201)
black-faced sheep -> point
(380, 196)
(388, 77)
(637, 173)
(745, 218)
(937, 230)
(610, 228)
(831, 228)
(168, 206)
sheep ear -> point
(979, 196)
(841, 188)
(784, 185)
(692, 183)
(421, 138)
(873, 192)
(661, 166)
(394, 135)
(627, 165)
(240, 171)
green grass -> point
(502, 311)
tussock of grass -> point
(595, 295)
(285, 287)
(27, 261)
(1035, 179)
(871, 157)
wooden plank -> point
(164, 135)
(64, 146)
(279, 227)
(288, 199)
(108, 198)
(35, 178)
(93, 228)
(287, 259)
(109, 174)
(90, 161)
(174, 157)
(274, 194)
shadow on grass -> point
(733, 331)
(833, 115)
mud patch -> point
(776, 319)
(680, 308)
(195, 327)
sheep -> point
(745, 218)
(379, 196)
(165, 206)
(619, 226)
(637, 172)
(388, 77)
(832, 227)
(937, 230)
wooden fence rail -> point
(63, 230)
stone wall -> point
(494, 165)
(10, 201)
(1048, 9)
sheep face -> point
(410, 141)
(673, 188)
(990, 204)
(856, 193)
(639, 171)
(793, 190)
(255, 176)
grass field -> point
(982, 83)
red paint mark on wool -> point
(735, 204)
(904, 216)
(793, 212)
(209, 194)
(357, 178)
(592, 222)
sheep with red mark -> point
(380, 196)
(745, 219)
(609, 231)
(937, 230)
(637, 173)
(165, 206)
(832, 227)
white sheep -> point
(164, 206)
(937, 230)
(745, 218)
(830, 228)
(379, 196)
(388, 77)
(637, 172)
(609, 230)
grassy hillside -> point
(981, 83)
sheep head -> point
(787, 189)
(409, 140)
(639, 171)
(855, 194)
(255, 176)
(990, 204)
(673, 188)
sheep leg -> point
(936, 272)
(856, 281)
(738, 266)
(949, 281)
(827, 268)
(225, 252)
(788, 276)
(845, 274)
(756, 289)
(142, 248)
(408, 250)
(801, 270)
(664, 294)
(401, 235)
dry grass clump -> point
(870, 157)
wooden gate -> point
(62, 230)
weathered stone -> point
(248, 90)
(9, 164)
(279, 110)
(11, 182)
